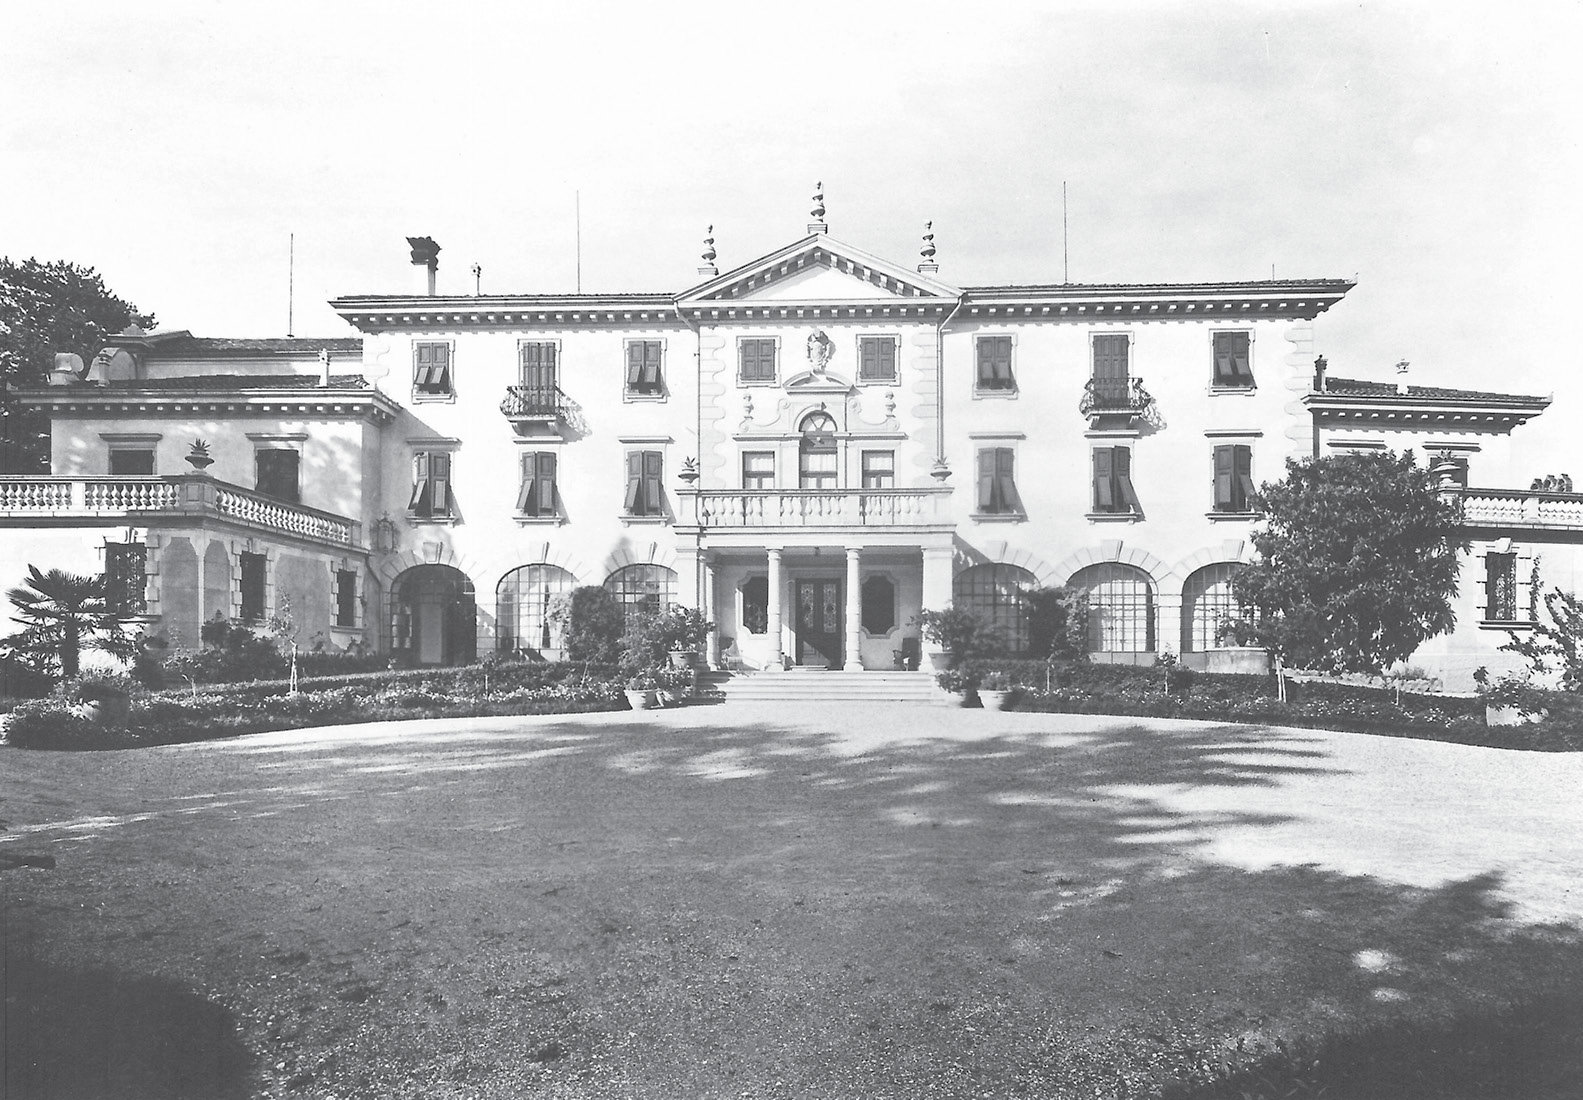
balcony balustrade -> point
(1522, 509)
(727, 509)
(534, 403)
(50, 500)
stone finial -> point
(928, 266)
(708, 266)
(1320, 365)
(1401, 376)
(818, 224)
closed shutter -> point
(545, 478)
(1110, 358)
(1232, 367)
(868, 360)
(1225, 479)
(440, 373)
(994, 363)
(986, 480)
(1104, 487)
(538, 368)
(653, 476)
(634, 498)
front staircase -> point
(809, 685)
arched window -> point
(1207, 602)
(522, 602)
(996, 594)
(1120, 607)
(433, 616)
(642, 589)
(816, 454)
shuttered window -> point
(536, 497)
(997, 487)
(876, 360)
(1113, 490)
(1233, 366)
(431, 370)
(994, 363)
(537, 367)
(1233, 478)
(1111, 372)
(756, 362)
(643, 367)
(431, 486)
(645, 477)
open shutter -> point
(545, 478)
(653, 477)
(420, 484)
(1005, 487)
(986, 480)
(1123, 467)
(887, 358)
(1241, 369)
(440, 484)
(634, 364)
(527, 496)
(422, 360)
(1244, 464)
(1225, 370)
(634, 499)
(440, 372)
(651, 363)
(1003, 362)
(1225, 479)
(1104, 494)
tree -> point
(1556, 648)
(47, 308)
(1357, 566)
(62, 614)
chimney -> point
(1401, 377)
(818, 225)
(1319, 374)
(928, 266)
(324, 368)
(425, 254)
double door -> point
(818, 622)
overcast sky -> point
(1429, 150)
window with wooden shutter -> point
(994, 363)
(645, 483)
(756, 360)
(537, 494)
(1111, 373)
(643, 367)
(431, 370)
(1233, 365)
(1233, 478)
(431, 485)
(1113, 491)
(876, 359)
(997, 489)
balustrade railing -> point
(1519, 508)
(533, 401)
(28, 497)
(745, 508)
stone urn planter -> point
(683, 658)
(993, 698)
(640, 698)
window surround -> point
(774, 380)
(556, 514)
(1521, 581)
(894, 340)
(863, 471)
(997, 443)
(742, 470)
(662, 392)
(660, 515)
(441, 445)
(1130, 515)
(1217, 388)
(1232, 437)
(133, 443)
(994, 393)
(337, 570)
(448, 396)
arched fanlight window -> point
(816, 454)
(1120, 607)
(997, 594)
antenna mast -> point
(1064, 277)
(291, 282)
(579, 195)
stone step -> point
(820, 686)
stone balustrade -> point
(824, 508)
(146, 500)
(1522, 509)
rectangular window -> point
(537, 495)
(277, 474)
(756, 360)
(131, 463)
(1113, 490)
(1233, 365)
(431, 486)
(758, 469)
(1111, 380)
(252, 586)
(645, 483)
(876, 360)
(879, 469)
(997, 487)
(643, 367)
(345, 598)
(431, 370)
(994, 364)
(1233, 478)
(123, 578)
(1500, 588)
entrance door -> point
(819, 623)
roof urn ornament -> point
(818, 224)
(927, 266)
(198, 458)
(708, 266)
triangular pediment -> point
(819, 269)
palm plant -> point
(61, 615)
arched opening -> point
(998, 595)
(642, 589)
(816, 453)
(434, 616)
(1120, 607)
(1207, 603)
(523, 599)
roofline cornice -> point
(306, 401)
(1513, 410)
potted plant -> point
(685, 630)
(198, 458)
(1510, 701)
(673, 686)
(993, 690)
(640, 691)
(952, 634)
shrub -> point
(592, 623)
(1058, 623)
(959, 632)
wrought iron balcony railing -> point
(1114, 395)
(534, 403)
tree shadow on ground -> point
(87, 1033)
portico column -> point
(711, 612)
(936, 577)
(773, 612)
(854, 609)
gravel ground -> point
(733, 901)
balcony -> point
(530, 407)
(804, 509)
(48, 501)
(1518, 508)
(1117, 402)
